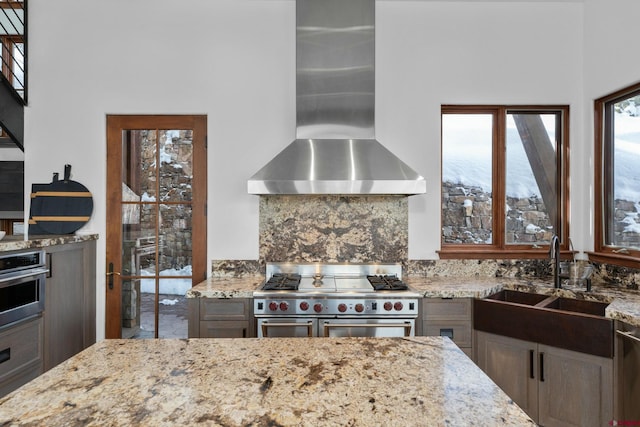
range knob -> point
(273, 306)
(342, 308)
(317, 308)
(304, 306)
(388, 306)
(359, 308)
(398, 306)
(284, 306)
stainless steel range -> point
(335, 300)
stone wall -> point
(467, 217)
(627, 224)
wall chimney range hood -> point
(335, 150)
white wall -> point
(234, 61)
(433, 53)
(611, 63)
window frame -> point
(500, 248)
(603, 180)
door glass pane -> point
(139, 164)
(147, 309)
(175, 239)
(624, 218)
(467, 141)
(139, 239)
(172, 308)
(531, 177)
(176, 149)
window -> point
(504, 181)
(617, 176)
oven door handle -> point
(406, 325)
(265, 325)
(27, 273)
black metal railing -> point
(13, 36)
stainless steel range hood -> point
(335, 151)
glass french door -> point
(156, 224)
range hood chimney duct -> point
(335, 151)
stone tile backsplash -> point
(334, 228)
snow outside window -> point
(622, 145)
(506, 154)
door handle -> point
(110, 274)
(541, 367)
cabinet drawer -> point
(456, 308)
(224, 309)
(20, 347)
(224, 329)
(459, 331)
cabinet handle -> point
(49, 263)
(629, 335)
(541, 367)
(446, 332)
(5, 355)
(531, 357)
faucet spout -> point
(554, 255)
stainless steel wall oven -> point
(22, 285)
(335, 300)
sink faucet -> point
(554, 254)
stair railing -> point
(13, 32)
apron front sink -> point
(572, 324)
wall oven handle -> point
(266, 325)
(629, 335)
(27, 273)
(405, 325)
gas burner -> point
(282, 282)
(387, 283)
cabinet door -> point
(510, 363)
(575, 389)
(448, 317)
(64, 302)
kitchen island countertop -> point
(276, 382)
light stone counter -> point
(17, 243)
(421, 381)
(624, 304)
(226, 287)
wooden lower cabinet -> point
(450, 317)
(555, 387)
(20, 353)
(70, 301)
(221, 318)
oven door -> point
(356, 327)
(270, 327)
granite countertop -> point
(624, 304)
(275, 382)
(17, 243)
